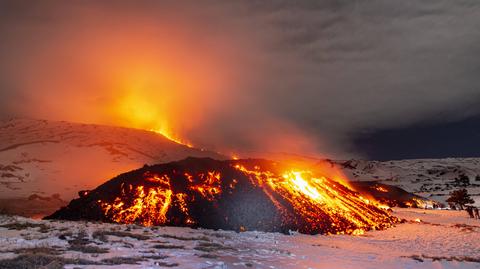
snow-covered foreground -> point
(443, 239)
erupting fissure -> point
(237, 194)
(168, 134)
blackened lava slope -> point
(392, 196)
(247, 207)
(238, 204)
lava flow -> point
(168, 134)
(234, 195)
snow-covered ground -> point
(442, 239)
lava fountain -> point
(240, 195)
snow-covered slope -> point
(46, 157)
(431, 178)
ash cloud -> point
(300, 76)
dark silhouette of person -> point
(470, 211)
(475, 213)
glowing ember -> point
(150, 207)
(236, 195)
(210, 186)
(381, 189)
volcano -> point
(250, 194)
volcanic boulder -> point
(238, 195)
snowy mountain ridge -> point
(431, 178)
(47, 157)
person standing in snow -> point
(475, 213)
(470, 211)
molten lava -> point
(235, 195)
(311, 196)
(168, 134)
(151, 206)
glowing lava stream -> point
(309, 195)
(171, 137)
(302, 185)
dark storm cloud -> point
(377, 64)
(329, 68)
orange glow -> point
(382, 206)
(163, 82)
(138, 109)
(169, 73)
(168, 134)
(151, 207)
(310, 194)
(381, 189)
(358, 232)
(299, 195)
(182, 204)
(210, 186)
(332, 171)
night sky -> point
(340, 79)
(423, 140)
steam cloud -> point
(296, 76)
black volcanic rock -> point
(202, 192)
(392, 196)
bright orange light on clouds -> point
(174, 75)
(169, 100)
(167, 89)
(136, 110)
